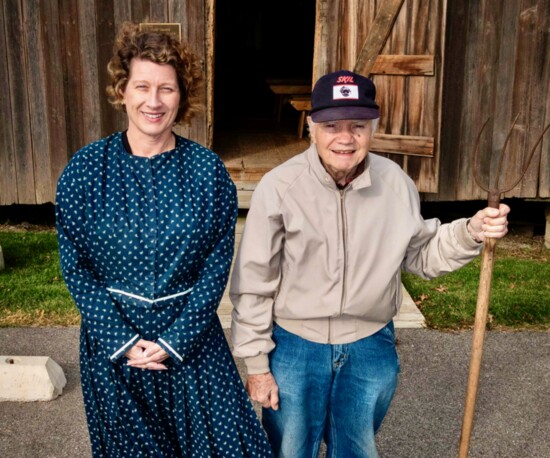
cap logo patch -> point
(345, 91)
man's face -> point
(342, 145)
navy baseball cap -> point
(343, 95)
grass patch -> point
(32, 292)
(520, 291)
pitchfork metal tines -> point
(495, 190)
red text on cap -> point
(344, 79)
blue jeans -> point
(339, 393)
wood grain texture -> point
(71, 77)
(403, 144)
(53, 55)
(55, 94)
(402, 64)
(91, 92)
(496, 71)
(377, 36)
(544, 168)
(8, 176)
(38, 104)
(406, 67)
(209, 70)
(16, 46)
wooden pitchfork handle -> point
(482, 307)
(484, 291)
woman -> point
(145, 223)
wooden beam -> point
(290, 89)
(379, 33)
(400, 64)
(403, 144)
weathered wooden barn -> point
(442, 69)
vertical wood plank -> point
(325, 18)
(544, 169)
(526, 96)
(178, 12)
(395, 86)
(452, 101)
(350, 17)
(55, 94)
(141, 10)
(122, 12)
(210, 53)
(38, 126)
(420, 105)
(106, 33)
(8, 177)
(437, 42)
(91, 92)
(17, 74)
(72, 75)
(158, 11)
(480, 104)
(197, 18)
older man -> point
(317, 282)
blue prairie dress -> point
(146, 247)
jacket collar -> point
(362, 181)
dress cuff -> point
(257, 364)
(122, 350)
(168, 349)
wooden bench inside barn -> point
(303, 105)
(285, 90)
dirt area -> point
(26, 227)
(523, 247)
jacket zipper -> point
(344, 243)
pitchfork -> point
(484, 291)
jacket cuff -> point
(122, 350)
(464, 237)
(176, 357)
(257, 364)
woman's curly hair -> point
(159, 48)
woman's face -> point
(152, 98)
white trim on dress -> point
(121, 349)
(150, 301)
(170, 348)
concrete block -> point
(30, 378)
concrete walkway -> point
(512, 410)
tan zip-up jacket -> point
(325, 263)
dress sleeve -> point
(99, 313)
(183, 336)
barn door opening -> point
(262, 50)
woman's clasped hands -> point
(147, 355)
